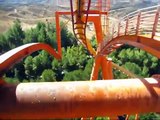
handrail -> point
(143, 9)
(143, 22)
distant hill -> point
(113, 2)
(121, 9)
(14, 2)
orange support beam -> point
(97, 23)
(138, 23)
(58, 33)
(155, 23)
(106, 65)
(95, 69)
(77, 99)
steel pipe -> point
(79, 99)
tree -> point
(42, 37)
(88, 69)
(3, 44)
(141, 62)
(31, 36)
(48, 76)
(75, 75)
(34, 66)
(28, 65)
(80, 74)
(19, 71)
(52, 39)
(150, 116)
(67, 38)
(102, 118)
(134, 68)
(15, 35)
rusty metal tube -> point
(79, 99)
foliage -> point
(67, 38)
(76, 75)
(102, 118)
(76, 63)
(33, 66)
(48, 76)
(3, 43)
(138, 62)
(74, 58)
(150, 116)
(12, 38)
(94, 42)
(11, 80)
(135, 60)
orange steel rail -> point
(83, 13)
(80, 16)
(79, 99)
(79, 25)
(140, 29)
(87, 99)
(12, 58)
(15, 55)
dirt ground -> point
(29, 15)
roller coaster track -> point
(79, 28)
(140, 29)
(15, 55)
(84, 99)
(79, 24)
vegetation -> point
(40, 64)
(76, 63)
(135, 60)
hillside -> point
(2, 2)
(121, 9)
(29, 15)
(29, 12)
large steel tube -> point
(79, 99)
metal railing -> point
(143, 22)
(100, 5)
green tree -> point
(31, 36)
(48, 76)
(15, 35)
(140, 63)
(42, 37)
(102, 118)
(74, 58)
(88, 69)
(34, 66)
(67, 38)
(28, 65)
(80, 74)
(19, 71)
(3, 44)
(75, 75)
(144, 63)
(134, 68)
